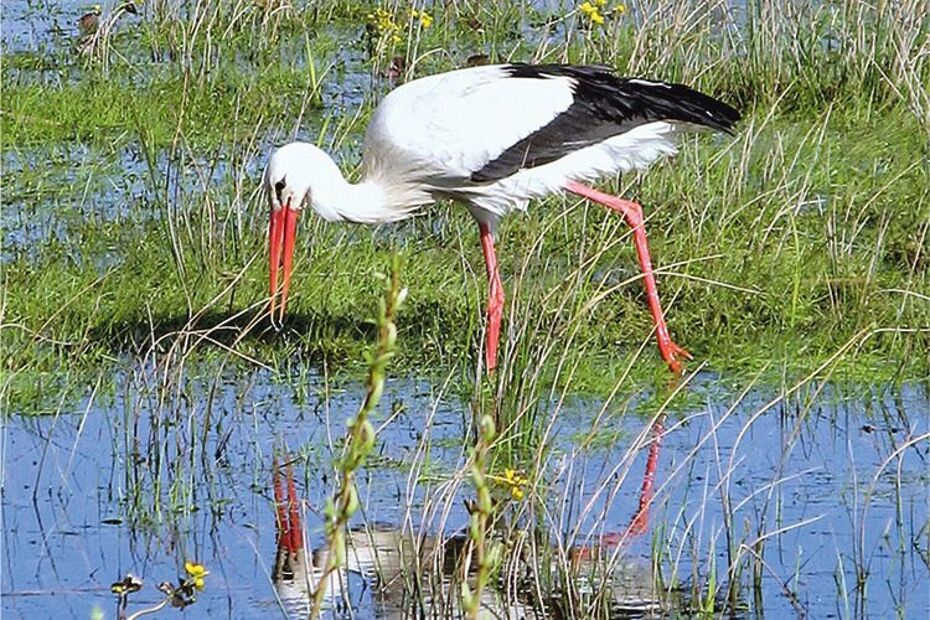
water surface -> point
(137, 480)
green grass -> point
(807, 230)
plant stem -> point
(360, 435)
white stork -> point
(493, 137)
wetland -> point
(145, 399)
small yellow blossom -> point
(385, 25)
(128, 585)
(426, 20)
(196, 573)
(600, 3)
(516, 481)
(382, 20)
(619, 9)
(592, 11)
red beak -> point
(281, 233)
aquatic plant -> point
(484, 554)
(179, 596)
(360, 434)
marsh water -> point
(835, 482)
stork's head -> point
(293, 171)
(286, 189)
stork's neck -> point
(312, 175)
(338, 200)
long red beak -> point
(282, 230)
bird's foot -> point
(672, 353)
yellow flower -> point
(426, 20)
(196, 573)
(383, 21)
(620, 9)
(516, 481)
(592, 12)
(128, 585)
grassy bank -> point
(805, 233)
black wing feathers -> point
(604, 106)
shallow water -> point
(98, 491)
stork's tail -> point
(677, 102)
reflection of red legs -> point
(633, 214)
(640, 520)
(290, 534)
(495, 297)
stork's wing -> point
(483, 124)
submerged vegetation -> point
(792, 257)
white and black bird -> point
(494, 137)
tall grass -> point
(733, 223)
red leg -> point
(633, 214)
(495, 297)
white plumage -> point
(492, 137)
(427, 137)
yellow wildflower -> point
(128, 585)
(195, 574)
(426, 20)
(516, 481)
(619, 9)
(592, 12)
(600, 3)
(383, 21)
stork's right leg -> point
(495, 297)
(633, 214)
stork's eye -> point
(278, 188)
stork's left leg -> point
(633, 214)
(495, 296)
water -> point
(51, 193)
(138, 480)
